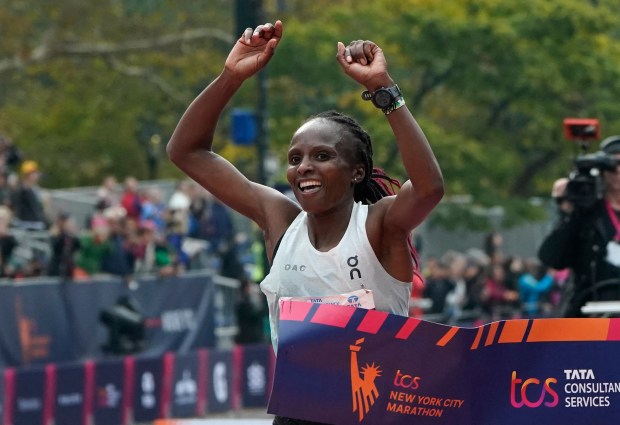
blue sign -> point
(147, 389)
(255, 374)
(29, 401)
(219, 379)
(109, 393)
(70, 394)
(244, 129)
(184, 393)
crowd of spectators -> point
(132, 231)
(484, 285)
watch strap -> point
(393, 90)
(398, 103)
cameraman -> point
(587, 239)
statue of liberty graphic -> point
(363, 386)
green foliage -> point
(85, 85)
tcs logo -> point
(406, 381)
(525, 390)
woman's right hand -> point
(253, 50)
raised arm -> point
(190, 147)
(365, 63)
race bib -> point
(362, 298)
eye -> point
(294, 159)
(322, 156)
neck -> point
(326, 229)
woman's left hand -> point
(363, 60)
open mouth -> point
(309, 186)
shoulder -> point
(380, 229)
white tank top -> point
(299, 270)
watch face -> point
(383, 98)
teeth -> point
(307, 183)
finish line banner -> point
(345, 365)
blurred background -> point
(90, 92)
(95, 88)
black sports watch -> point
(383, 97)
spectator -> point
(494, 246)
(151, 252)
(5, 189)
(213, 219)
(175, 238)
(130, 199)
(97, 218)
(438, 286)
(119, 260)
(213, 224)
(8, 243)
(457, 297)
(10, 155)
(474, 281)
(535, 283)
(586, 236)
(514, 267)
(251, 311)
(153, 209)
(230, 265)
(64, 244)
(108, 193)
(497, 299)
(94, 247)
(179, 205)
(27, 199)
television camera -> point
(586, 185)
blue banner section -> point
(29, 399)
(136, 389)
(255, 379)
(55, 322)
(147, 389)
(184, 391)
(2, 397)
(70, 394)
(219, 377)
(369, 367)
(109, 393)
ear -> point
(358, 174)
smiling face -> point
(321, 168)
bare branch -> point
(49, 49)
(135, 71)
(90, 49)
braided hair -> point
(376, 184)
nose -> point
(305, 165)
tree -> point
(489, 80)
(84, 82)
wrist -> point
(379, 81)
(230, 77)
